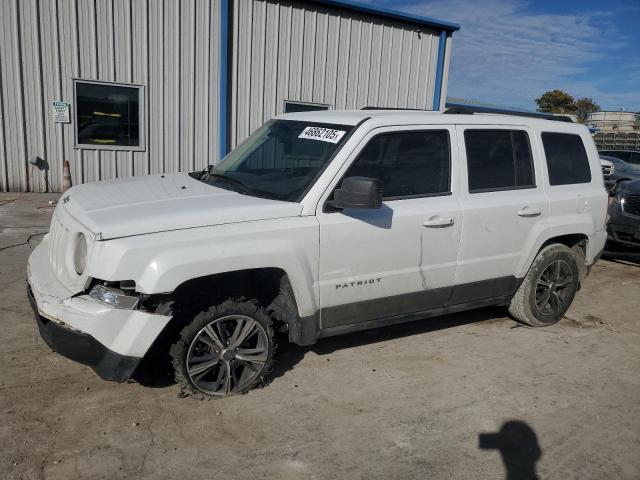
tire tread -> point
(178, 350)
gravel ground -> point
(472, 395)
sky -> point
(508, 52)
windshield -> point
(280, 160)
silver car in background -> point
(615, 170)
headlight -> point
(113, 297)
(619, 199)
(80, 253)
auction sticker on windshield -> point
(322, 134)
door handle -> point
(529, 212)
(438, 222)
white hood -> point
(158, 203)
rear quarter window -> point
(567, 160)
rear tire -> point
(225, 350)
(548, 289)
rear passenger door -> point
(504, 206)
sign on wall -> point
(61, 112)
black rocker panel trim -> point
(411, 307)
(411, 317)
(379, 308)
(384, 307)
(496, 287)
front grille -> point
(632, 204)
(606, 169)
(625, 237)
(58, 238)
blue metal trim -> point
(385, 12)
(439, 70)
(224, 72)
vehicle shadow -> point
(289, 354)
(518, 445)
(155, 371)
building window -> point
(292, 107)
(108, 115)
(498, 160)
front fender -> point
(160, 262)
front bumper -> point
(83, 348)
(112, 341)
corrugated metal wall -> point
(170, 47)
(303, 51)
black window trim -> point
(341, 144)
(321, 106)
(327, 209)
(546, 160)
(142, 137)
(501, 189)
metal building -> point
(129, 87)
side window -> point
(635, 158)
(498, 160)
(567, 159)
(409, 164)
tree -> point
(556, 101)
(584, 106)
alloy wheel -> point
(227, 355)
(553, 288)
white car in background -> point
(320, 224)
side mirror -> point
(358, 192)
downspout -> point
(437, 91)
(223, 124)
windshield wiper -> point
(230, 180)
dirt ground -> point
(472, 395)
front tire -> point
(225, 350)
(548, 289)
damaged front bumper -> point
(111, 341)
(83, 348)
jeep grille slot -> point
(57, 242)
(632, 204)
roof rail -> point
(471, 109)
(369, 107)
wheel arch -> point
(577, 242)
(270, 286)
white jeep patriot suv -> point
(319, 224)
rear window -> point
(498, 160)
(567, 159)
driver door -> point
(401, 258)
